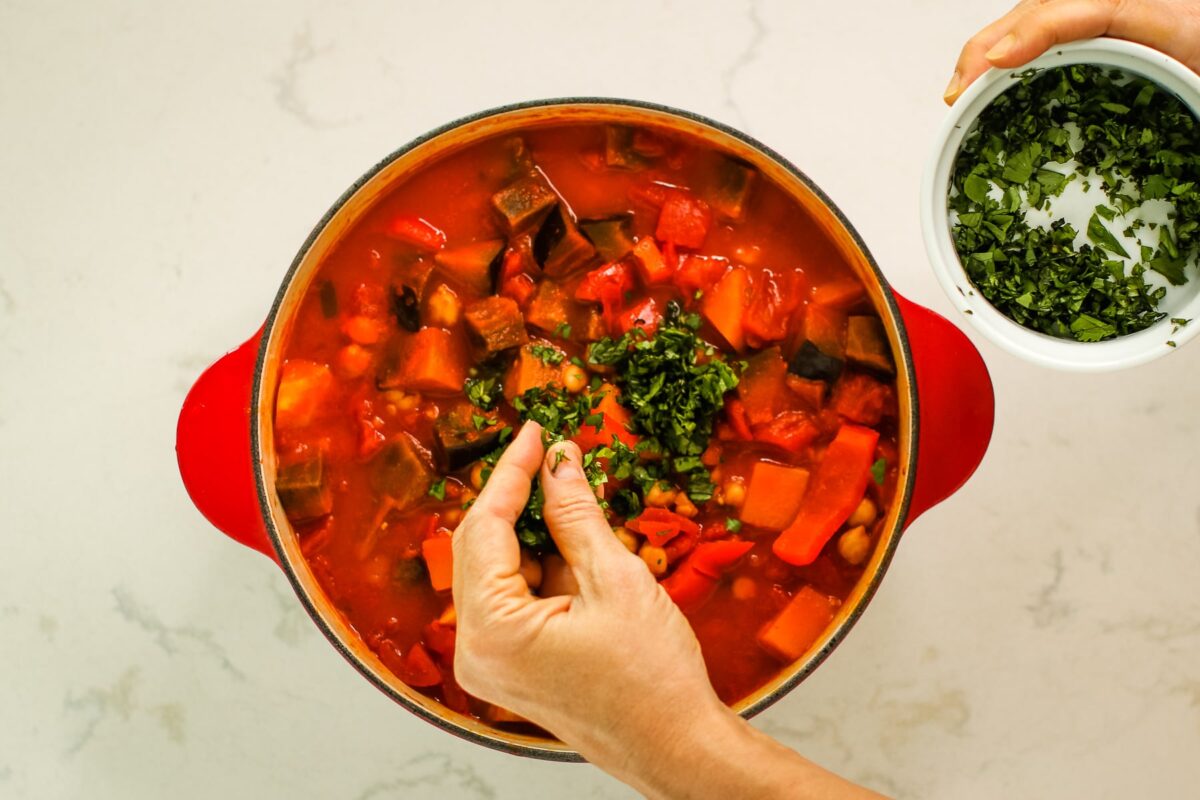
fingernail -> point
(564, 461)
(952, 88)
(1001, 48)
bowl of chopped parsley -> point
(1061, 208)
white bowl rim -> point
(1048, 351)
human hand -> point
(608, 668)
(1034, 26)
(611, 668)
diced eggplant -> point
(496, 324)
(559, 246)
(594, 327)
(525, 202)
(476, 265)
(735, 181)
(549, 307)
(809, 362)
(458, 443)
(610, 235)
(303, 489)
(402, 471)
(867, 345)
(619, 150)
(406, 308)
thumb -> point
(575, 519)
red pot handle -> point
(212, 443)
(956, 406)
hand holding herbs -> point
(1138, 141)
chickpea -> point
(531, 570)
(854, 545)
(744, 588)
(574, 379)
(628, 539)
(451, 517)
(476, 477)
(444, 307)
(734, 492)
(684, 506)
(863, 515)
(352, 361)
(655, 558)
(660, 495)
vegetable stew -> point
(662, 304)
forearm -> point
(711, 753)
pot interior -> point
(395, 169)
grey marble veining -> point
(1038, 635)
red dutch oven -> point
(225, 438)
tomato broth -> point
(550, 275)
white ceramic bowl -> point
(1124, 351)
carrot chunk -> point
(439, 560)
(773, 495)
(433, 363)
(798, 626)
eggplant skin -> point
(814, 365)
(406, 308)
(455, 449)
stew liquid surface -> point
(673, 312)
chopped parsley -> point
(878, 469)
(733, 525)
(1141, 141)
(438, 490)
(547, 354)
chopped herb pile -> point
(674, 385)
(1143, 143)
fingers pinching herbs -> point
(485, 547)
(575, 518)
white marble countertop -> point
(1038, 635)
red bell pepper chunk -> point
(659, 515)
(694, 581)
(791, 430)
(519, 287)
(603, 281)
(684, 220)
(699, 272)
(416, 232)
(736, 412)
(644, 315)
(837, 488)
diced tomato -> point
(369, 300)
(417, 668)
(652, 194)
(417, 232)
(735, 412)
(607, 282)
(862, 399)
(715, 558)
(644, 315)
(838, 485)
(791, 431)
(519, 287)
(699, 273)
(772, 306)
(680, 546)
(684, 220)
